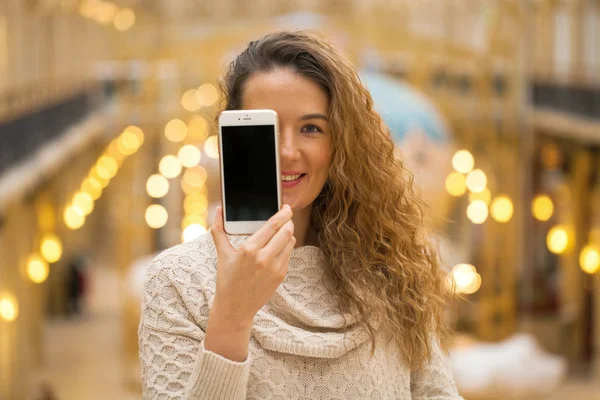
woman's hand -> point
(248, 277)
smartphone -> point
(250, 175)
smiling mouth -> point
(291, 178)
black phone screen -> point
(249, 172)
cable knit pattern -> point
(301, 346)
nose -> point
(288, 149)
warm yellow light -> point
(477, 212)
(195, 204)
(211, 147)
(84, 202)
(473, 286)
(193, 219)
(129, 142)
(37, 269)
(139, 134)
(94, 175)
(124, 20)
(197, 128)
(463, 161)
(476, 181)
(589, 259)
(542, 207)
(110, 165)
(92, 187)
(189, 101)
(189, 155)
(466, 278)
(105, 12)
(502, 209)
(156, 216)
(455, 184)
(9, 307)
(485, 196)
(51, 248)
(74, 218)
(207, 95)
(558, 239)
(192, 232)
(176, 130)
(193, 180)
(169, 166)
(157, 186)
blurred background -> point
(108, 156)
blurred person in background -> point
(340, 294)
(76, 284)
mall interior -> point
(109, 154)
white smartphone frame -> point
(247, 118)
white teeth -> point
(287, 178)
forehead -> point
(285, 91)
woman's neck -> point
(302, 228)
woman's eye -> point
(311, 129)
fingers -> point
(283, 257)
(218, 233)
(268, 230)
(279, 241)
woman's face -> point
(304, 133)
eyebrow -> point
(314, 116)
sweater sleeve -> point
(173, 360)
(434, 381)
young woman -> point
(339, 295)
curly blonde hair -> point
(368, 221)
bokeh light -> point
(192, 232)
(197, 128)
(74, 218)
(477, 212)
(466, 278)
(84, 202)
(589, 259)
(92, 187)
(9, 307)
(37, 269)
(169, 166)
(485, 196)
(189, 101)
(193, 219)
(463, 161)
(207, 95)
(558, 239)
(542, 207)
(189, 155)
(194, 178)
(156, 216)
(51, 248)
(195, 203)
(211, 147)
(476, 181)
(502, 209)
(157, 186)
(176, 130)
(124, 19)
(456, 184)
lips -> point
(291, 178)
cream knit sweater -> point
(300, 348)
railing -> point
(38, 123)
(577, 100)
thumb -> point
(218, 233)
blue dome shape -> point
(404, 109)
